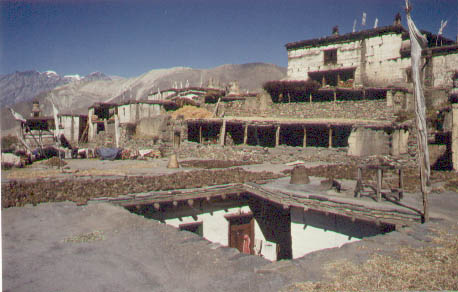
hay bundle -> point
(191, 112)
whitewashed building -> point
(378, 57)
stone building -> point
(377, 57)
(73, 127)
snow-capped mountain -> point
(77, 95)
(25, 86)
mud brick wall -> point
(366, 109)
(80, 190)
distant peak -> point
(50, 73)
(73, 76)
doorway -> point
(241, 232)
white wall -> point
(444, 67)
(311, 239)
(384, 65)
(314, 231)
(128, 112)
(216, 229)
(124, 113)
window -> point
(195, 227)
(330, 56)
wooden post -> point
(222, 135)
(245, 134)
(359, 183)
(335, 95)
(277, 136)
(323, 81)
(379, 184)
(401, 185)
(304, 142)
(190, 202)
(330, 137)
(310, 97)
(200, 134)
(338, 79)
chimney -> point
(335, 30)
(397, 20)
(35, 109)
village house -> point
(378, 57)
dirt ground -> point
(100, 247)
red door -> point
(241, 234)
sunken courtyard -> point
(310, 183)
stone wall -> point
(444, 68)
(366, 109)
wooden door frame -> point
(233, 217)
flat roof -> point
(308, 197)
(291, 121)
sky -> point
(130, 37)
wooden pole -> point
(222, 135)
(200, 134)
(277, 136)
(304, 142)
(330, 137)
(245, 134)
(379, 184)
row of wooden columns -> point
(277, 135)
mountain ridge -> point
(75, 97)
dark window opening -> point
(375, 93)
(193, 133)
(203, 133)
(195, 227)
(235, 132)
(292, 136)
(318, 137)
(266, 136)
(330, 56)
(340, 136)
(100, 127)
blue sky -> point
(128, 38)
